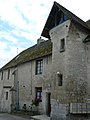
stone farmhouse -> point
(54, 74)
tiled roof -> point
(39, 50)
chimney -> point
(40, 40)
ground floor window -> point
(38, 94)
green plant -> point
(35, 102)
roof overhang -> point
(56, 9)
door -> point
(48, 110)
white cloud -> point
(8, 37)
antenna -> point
(17, 50)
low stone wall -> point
(62, 112)
(58, 111)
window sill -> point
(62, 50)
(39, 74)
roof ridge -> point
(56, 11)
(72, 14)
(31, 53)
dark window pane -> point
(60, 79)
(2, 75)
(62, 44)
(8, 73)
(6, 95)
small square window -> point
(62, 45)
(39, 66)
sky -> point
(22, 21)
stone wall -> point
(28, 81)
(72, 64)
(5, 86)
(88, 68)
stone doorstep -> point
(40, 117)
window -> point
(6, 95)
(63, 18)
(39, 66)
(62, 45)
(8, 74)
(39, 94)
(2, 75)
(60, 79)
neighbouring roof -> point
(57, 9)
(39, 50)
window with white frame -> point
(39, 66)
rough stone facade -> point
(72, 63)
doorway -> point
(48, 110)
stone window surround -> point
(39, 66)
(62, 45)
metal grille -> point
(79, 108)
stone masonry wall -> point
(28, 81)
(72, 64)
(58, 104)
(76, 69)
(88, 68)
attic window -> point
(63, 18)
(62, 45)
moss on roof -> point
(39, 50)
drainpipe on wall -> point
(31, 78)
(16, 87)
(17, 99)
(17, 91)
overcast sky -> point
(22, 21)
